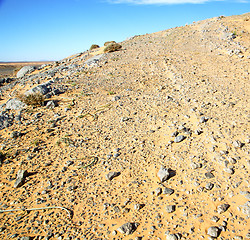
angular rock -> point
(170, 236)
(245, 209)
(24, 70)
(167, 191)
(179, 138)
(223, 208)
(170, 208)
(21, 175)
(127, 228)
(213, 232)
(112, 175)
(14, 104)
(163, 174)
(43, 88)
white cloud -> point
(162, 2)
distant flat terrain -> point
(9, 69)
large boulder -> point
(14, 104)
(24, 70)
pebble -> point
(213, 232)
(127, 228)
(179, 138)
(170, 208)
(112, 175)
(163, 174)
(222, 208)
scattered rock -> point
(24, 70)
(127, 228)
(213, 232)
(14, 104)
(112, 175)
(170, 236)
(167, 191)
(21, 175)
(170, 208)
(163, 174)
(179, 138)
(222, 208)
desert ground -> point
(147, 142)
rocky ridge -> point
(148, 142)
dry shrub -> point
(108, 43)
(34, 99)
(112, 47)
(94, 46)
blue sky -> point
(34, 30)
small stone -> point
(167, 191)
(229, 170)
(179, 138)
(213, 232)
(222, 208)
(170, 208)
(209, 175)
(21, 175)
(209, 186)
(158, 191)
(112, 175)
(163, 174)
(237, 144)
(138, 206)
(203, 119)
(15, 134)
(171, 236)
(215, 219)
(127, 228)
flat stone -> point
(222, 208)
(170, 208)
(213, 232)
(112, 175)
(179, 138)
(163, 174)
(127, 228)
(21, 175)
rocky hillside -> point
(147, 142)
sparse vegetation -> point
(111, 93)
(112, 47)
(34, 99)
(108, 43)
(94, 46)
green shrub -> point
(94, 46)
(34, 99)
(112, 47)
(109, 42)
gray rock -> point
(127, 228)
(209, 186)
(51, 104)
(43, 88)
(21, 175)
(170, 208)
(179, 138)
(112, 175)
(203, 119)
(163, 174)
(14, 104)
(138, 206)
(170, 236)
(94, 60)
(237, 144)
(15, 134)
(24, 70)
(158, 191)
(167, 191)
(213, 232)
(222, 208)
(245, 209)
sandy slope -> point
(124, 113)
